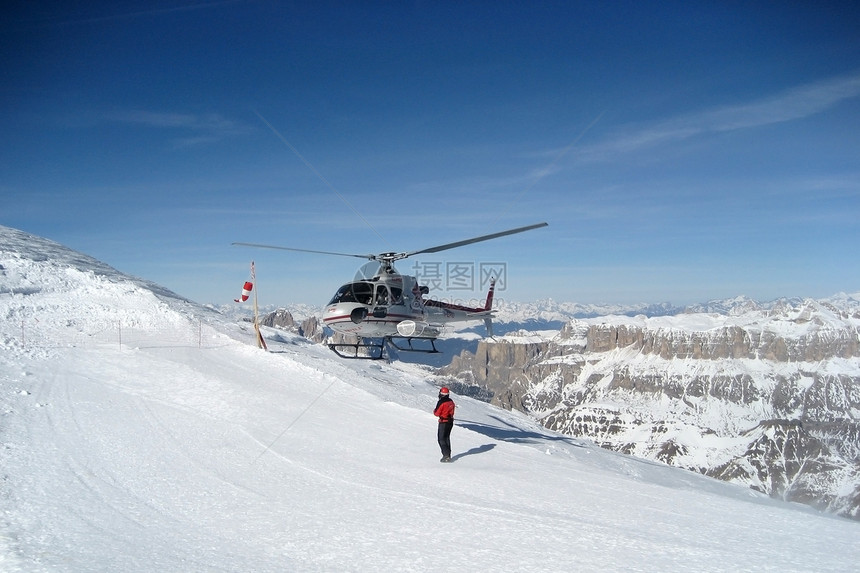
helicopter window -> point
(353, 292)
(382, 295)
(396, 295)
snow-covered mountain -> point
(765, 395)
(142, 432)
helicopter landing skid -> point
(374, 350)
(410, 348)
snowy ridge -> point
(550, 311)
(202, 452)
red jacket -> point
(445, 411)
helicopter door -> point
(381, 296)
(396, 295)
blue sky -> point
(680, 151)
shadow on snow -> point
(473, 451)
(509, 433)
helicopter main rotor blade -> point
(369, 257)
(475, 240)
(388, 258)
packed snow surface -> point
(141, 432)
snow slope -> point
(139, 432)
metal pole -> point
(260, 342)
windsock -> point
(246, 291)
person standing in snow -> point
(445, 412)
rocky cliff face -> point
(309, 328)
(767, 398)
(281, 318)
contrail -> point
(318, 174)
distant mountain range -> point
(762, 394)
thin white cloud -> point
(208, 122)
(191, 129)
(790, 105)
(796, 103)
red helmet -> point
(444, 391)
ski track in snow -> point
(163, 453)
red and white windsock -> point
(246, 291)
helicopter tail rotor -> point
(488, 323)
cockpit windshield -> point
(368, 293)
(354, 292)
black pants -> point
(444, 437)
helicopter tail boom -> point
(471, 311)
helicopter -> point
(384, 306)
